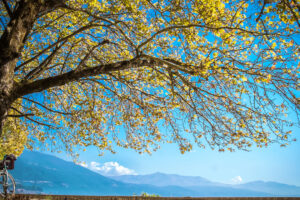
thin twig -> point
(261, 12)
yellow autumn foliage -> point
(136, 73)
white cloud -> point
(83, 164)
(109, 168)
(237, 179)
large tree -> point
(133, 73)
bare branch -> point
(43, 106)
(33, 120)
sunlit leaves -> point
(220, 73)
(15, 135)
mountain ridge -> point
(37, 172)
(164, 179)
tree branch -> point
(261, 11)
(23, 115)
(7, 8)
(74, 75)
(36, 71)
(173, 64)
(296, 4)
(54, 44)
(293, 13)
(26, 116)
(43, 106)
(255, 33)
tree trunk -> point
(11, 44)
(6, 85)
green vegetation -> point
(145, 194)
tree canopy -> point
(137, 73)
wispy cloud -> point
(237, 180)
(108, 168)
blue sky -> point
(273, 163)
(268, 164)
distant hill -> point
(160, 179)
(203, 185)
(40, 173)
(195, 183)
(273, 188)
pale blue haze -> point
(267, 164)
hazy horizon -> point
(273, 163)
